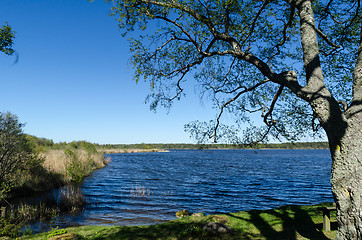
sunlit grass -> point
(289, 222)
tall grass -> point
(139, 191)
(48, 168)
(73, 165)
(69, 200)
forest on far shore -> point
(48, 143)
(296, 145)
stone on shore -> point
(182, 213)
(199, 214)
(214, 227)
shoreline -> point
(131, 150)
(55, 183)
(285, 222)
(140, 150)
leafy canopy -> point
(15, 150)
(6, 39)
(237, 51)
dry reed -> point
(139, 191)
(56, 161)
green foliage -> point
(5, 188)
(49, 144)
(56, 231)
(74, 167)
(27, 231)
(40, 143)
(237, 51)
(43, 211)
(88, 147)
(16, 153)
(8, 228)
(6, 39)
(203, 131)
(288, 145)
(288, 222)
(74, 145)
(70, 200)
(21, 167)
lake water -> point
(146, 188)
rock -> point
(220, 219)
(214, 227)
(67, 236)
(199, 214)
(182, 213)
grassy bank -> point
(289, 222)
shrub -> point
(15, 150)
(74, 167)
(55, 232)
(8, 228)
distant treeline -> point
(49, 144)
(298, 145)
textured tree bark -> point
(344, 129)
(346, 179)
(347, 163)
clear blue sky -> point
(73, 80)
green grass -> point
(289, 222)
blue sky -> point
(73, 80)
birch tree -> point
(298, 63)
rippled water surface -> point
(144, 188)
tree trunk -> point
(346, 178)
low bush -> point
(55, 232)
(75, 169)
(9, 228)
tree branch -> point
(271, 108)
(325, 38)
(183, 8)
(233, 100)
(160, 48)
(180, 90)
(190, 39)
(288, 24)
(253, 23)
(236, 52)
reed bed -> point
(51, 168)
(68, 163)
(139, 191)
(14, 217)
(71, 199)
(55, 161)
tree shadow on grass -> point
(289, 222)
(172, 230)
(284, 223)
